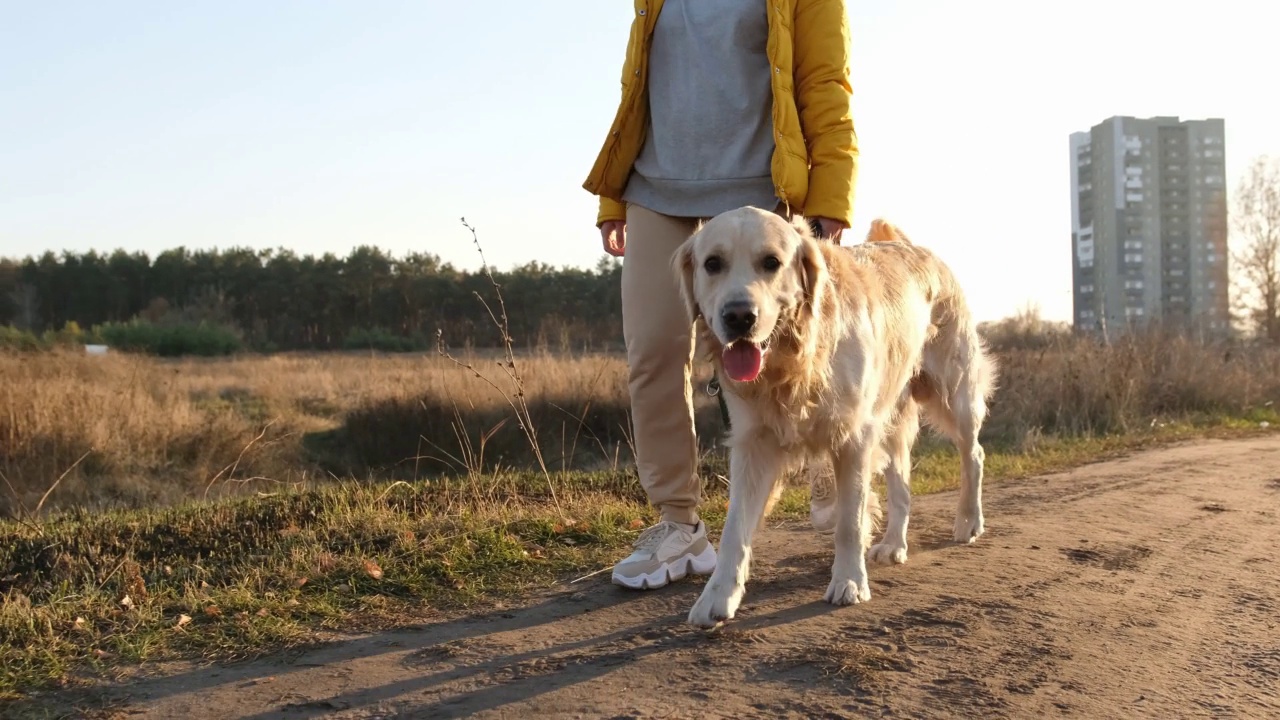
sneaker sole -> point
(824, 526)
(702, 564)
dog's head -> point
(753, 278)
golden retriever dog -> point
(831, 351)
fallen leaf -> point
(168, 570)
(458, 584)
(372, 568)
(292, 603)
(79, 623)
(126, 602)
(636, 524)
(213, 611)
(134, 582)
(183, 620)
(263, 612)
(102, 654)
(300, 582)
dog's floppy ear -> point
(812, 268)
(682, 267)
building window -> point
(1134, 312)
(1133, 257)
(1086, 289)
(1132, 284)
(1132, 244)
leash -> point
(713, 389)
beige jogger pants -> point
(659, 342)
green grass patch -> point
(84, 592)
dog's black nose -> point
(739, 317)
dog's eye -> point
(771, 263)
(712, 264)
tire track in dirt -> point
(1140, 587)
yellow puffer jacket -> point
(815, 159)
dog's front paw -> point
(887, 553)
(968, 527)
(844, 591)
(715, 605)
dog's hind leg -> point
(892, 549)
(953, 392)
(755, 464)
(969, 410)
(854, 519)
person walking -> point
(724, 103)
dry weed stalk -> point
(230, 470)
(516, 398)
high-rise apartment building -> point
(1149, 225)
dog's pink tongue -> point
(742, 361)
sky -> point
(320, 125)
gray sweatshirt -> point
(710, 137)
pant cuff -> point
(685, 515)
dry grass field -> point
(223, 508)
(136, 431)
(132, 431)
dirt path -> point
(1142, 587)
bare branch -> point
(1256, 222)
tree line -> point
(280, 300)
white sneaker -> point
(665, 553)
(822, 501)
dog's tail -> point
(884, 231)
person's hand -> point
(613, 234)
(831, 229)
